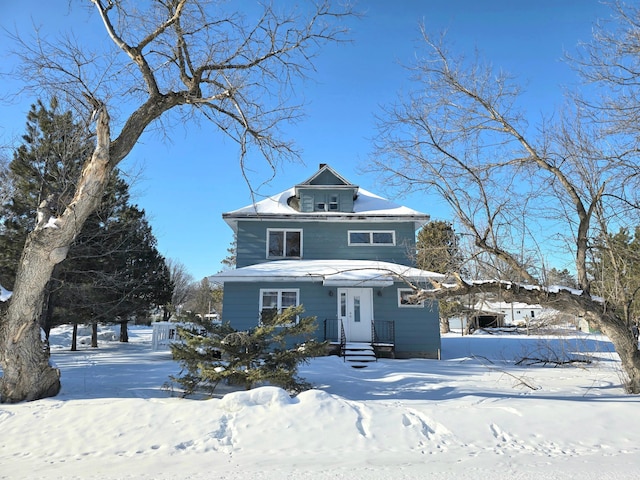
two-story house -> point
(345, 254)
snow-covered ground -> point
(473, 415)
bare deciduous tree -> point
(516, 191)
(181, 280)
(189, 57)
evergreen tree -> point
(560, 277)
(113, 271)
(229, 261)
(248, 359)
(6, 189)
(437, 250)
(43, 167)
(615, 269)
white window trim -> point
(370, 243)
(327, 203)
(285, 230)
(407, 305)
(279, 306)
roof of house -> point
(342, 273)
(367, 206)
(326, 172)
(500, 307)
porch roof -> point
(339, 273)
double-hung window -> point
(274, 301)
(368, 237)
(283, 243)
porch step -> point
(359, 355)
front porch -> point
(382, 337)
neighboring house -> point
(516, 313)
(341, 252)
(492, 314)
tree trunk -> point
(27, 374)
(124, 332)
(23, 354)
(94, 335)
(444, 325)
(74, 338)
(47, 316)
(626, 346)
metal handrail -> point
(343, 340)
(389, 331)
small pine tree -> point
(261, 356)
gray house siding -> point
(334, 200)
(241, 305)
(324, 239)
(416, 329)
(242, 301)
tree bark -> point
(444, 325)
(124, 332)
(27, 374)
(74, 338)
(617, 330)
(94, 335)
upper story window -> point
(330, 204)
(367, 237)
(284, 243)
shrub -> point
(268, 354)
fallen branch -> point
(521, 380)
(545, 361)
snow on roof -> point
(366, 203)
(330, 272)
(497, 306)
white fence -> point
(166, 333)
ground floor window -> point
(405, 300)
(274, 301)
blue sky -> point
(187, 183)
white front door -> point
(355, 311)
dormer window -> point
(326, 203)
(284, 243)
